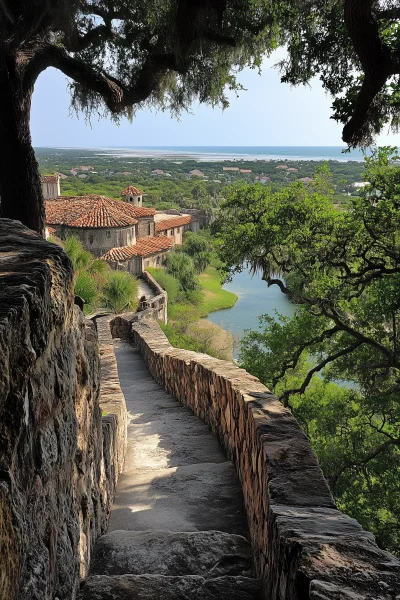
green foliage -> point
(214, 296)
(87, 288)
(95, 281)
(79, 257)
(169, 283)
(181, 266)
(350, 48)
(344, 269)
(166, 54)
(120, 291)
(199, 248)
(185, 310)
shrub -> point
(79, 257)
(86, 288)
(120, 291)
(181, 266)
(168, 282)
(199, 248)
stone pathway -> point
(177, 529)
(145, 290)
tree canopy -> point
(121, 55)
(342, 267)
(353, 46)
(118, 54)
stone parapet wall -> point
(160, 301)
(304, 547)
(113, 407)
(57, 472)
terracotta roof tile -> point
(143, 247)
(91, 211)
(138, 211)
(131, 190)
(50, 178)
(170, 223)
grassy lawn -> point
(185, 328)
(214, 297)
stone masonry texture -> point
(305, 549)
(57, 470)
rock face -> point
(55, 486)
(305, 549)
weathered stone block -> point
(54, 493)
(304, 548)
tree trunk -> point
(21, 195)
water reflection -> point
(255, 299)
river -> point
(255, 299)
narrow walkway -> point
(177, 529)
(145, 290)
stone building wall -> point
(155, 260)
(137, 264)
(50, 189)
(101, 240)
(57, 469)
(305, 549)
(146, 227)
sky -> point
(269, 113)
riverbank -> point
(215, 297)
(187, 326)
(255, 298)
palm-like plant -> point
(86, 287)
(120, 292)
(80, 258)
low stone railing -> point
(159, 303)
(304, 547)
(113, 407)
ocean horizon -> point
(220, 153)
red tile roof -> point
(196, 173)
(91, 211)
(131, 190)
(137, 211)
(50, 178)
(170, 223)
(143, 247)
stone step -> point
(159, 587)
(210, 554)
(188, 498)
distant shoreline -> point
(226, 153)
